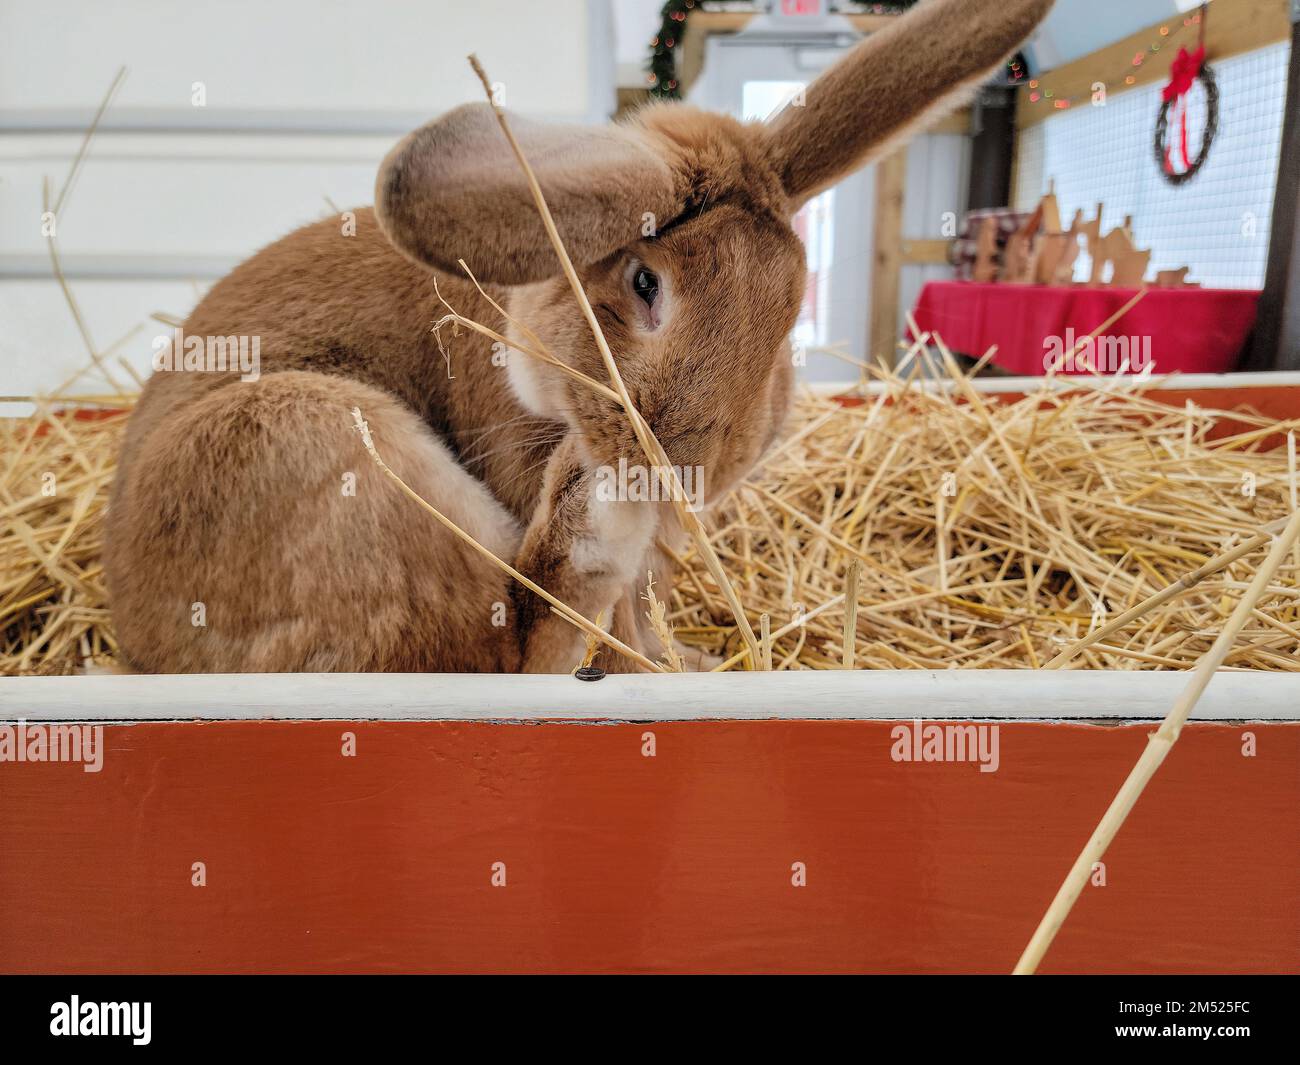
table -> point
(1192, 330)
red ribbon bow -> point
(1182, 72)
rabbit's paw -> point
(616, 539)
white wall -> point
(938, 178)
(303, 98)
(635, 23)
(333, 58)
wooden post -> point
(891, 173)
(1277, 328)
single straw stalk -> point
(649, 444)
(851, 613)
(1159, 744)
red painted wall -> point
(616, 862)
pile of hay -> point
(983, 534)
(996, 534)
(54, 482)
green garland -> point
(662, 76)
(663, 63)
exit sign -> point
(801, 7)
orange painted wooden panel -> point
(617, 862)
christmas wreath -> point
(1176, 162)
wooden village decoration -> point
(1041, 252)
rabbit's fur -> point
(232, 494)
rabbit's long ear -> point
(454, 190)
(893, 82)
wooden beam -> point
(735, 21)
(928, 252)
(1276, 343)
(1232, 27)
(630, 99)
(957, 122)
(891, 173)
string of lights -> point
(1040, 91)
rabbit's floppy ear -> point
(454, 190)
(887, 86)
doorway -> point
(752, 79)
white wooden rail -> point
(810, 695)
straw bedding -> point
(54, 482)
(979, 534)
(995, 534)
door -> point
(751, 79)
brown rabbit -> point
(248, 530)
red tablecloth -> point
(1193, 330)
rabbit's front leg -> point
(585, 550)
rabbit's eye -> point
(646, 285)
